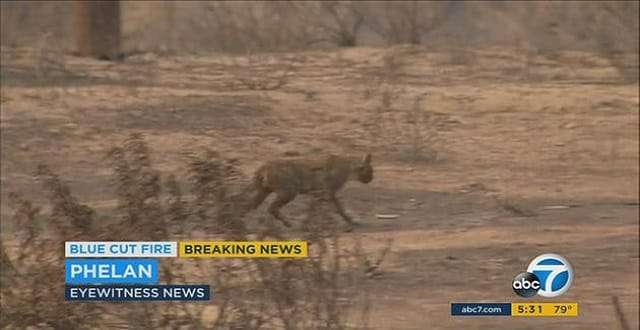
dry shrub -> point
(334, 22)
(50, 59)
(413, 130)
(385, 85)
(406, 22)
(219, 204)
(261, 72)
(623, 56)
(318, 292)
(423, 135)
(32, 283)
(253, 26)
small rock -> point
(291, 153)
(555, 207)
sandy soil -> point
(512, 134)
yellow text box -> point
(544, 309)
(243, 249)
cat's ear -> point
(367, 159)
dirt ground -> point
(471, 170)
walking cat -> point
(288, 178)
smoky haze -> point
(497, 132)
(202, 26)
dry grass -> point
(238, 27)
(317, 292)
(537, 138)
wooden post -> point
(97, 29)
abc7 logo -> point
(526, 284)
(548, 275)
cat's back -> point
(291, 174)
(304, 173)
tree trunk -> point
(97, 29)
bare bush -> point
(335, 22)
(32, 281)
(386, 88)
(138, 187)
(253, 26)
(423, 136)
(50, 58)
(612, 32)
(406, 22)
(623, 57)
(319, 292)
(261, 72)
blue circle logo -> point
(554, 272)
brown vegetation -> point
(289, 294)
(510, 130)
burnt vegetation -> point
(228, 65)
(315, 292)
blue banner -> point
(111, 271)
(136, 292)
(480, 309)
